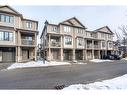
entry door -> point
(25, 54)
(55, 54)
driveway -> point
(49, 77)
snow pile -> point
(36, 64)
(99, 60)
(112, 84)
(124, 58)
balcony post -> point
(84, 54)
(73, 55)
(99, 56)
(49, 49)
(19, 53)
(35, 43)
(92, 49)
(19, 38)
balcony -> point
(96, 47)
(55, 44)
(89, 46)
(27, 42)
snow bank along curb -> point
(112, 84)
(99, 60)
(38, 64)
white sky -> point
(92, 17)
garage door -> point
(8, 57)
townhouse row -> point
(69, 40)
(18, 36)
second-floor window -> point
(28, 24)
(103, 44)
(79, 31)
(102, 35)
(79, 41)
(110, 45)
(54, 29)
(67, 29)
(109, 36)
(6, 36)
(6, 18)
(68, 40)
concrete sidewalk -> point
(4, 65)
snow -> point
(99, 60)
(38, 64)
(112, 84)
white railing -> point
(27, 42)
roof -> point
(69, 21)
(15, 12)
(100, 29)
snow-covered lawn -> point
(112, 84)
(99, 60)
(38, 64)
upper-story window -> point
(54, 29)
(6, 36)
(6, 18)
(29, 24)
(79, 40)
(110, 44)
(102, 35)
(103, 44)
(67, 29)
(68, 40)
(109, 36)
(79, 31)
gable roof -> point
(8, 9)
(104, 29)
(73, 22)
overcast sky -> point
(92, 17)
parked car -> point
(112, 57)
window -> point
(102, 35)
(110, 45)
(29, 24)
(1, 36)
(103, 44)
(11, 36)
(109, 36)
(67, 29)
(6, 18)
(68, 40)
(28, 38)
(79, 31)
(54, 29)
(79, 40)
(6, 36)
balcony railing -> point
(96, 47)
(55, 44)
(27, 42)
(89, 46)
